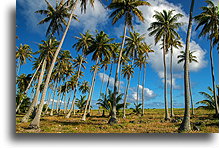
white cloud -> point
(148, 94)
(93, 17)
(104, 77)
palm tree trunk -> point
(107, 85)
(126, 94)
(165, 80)
(90, 92)
(213, 79)
(33, 77)
(143, 84)
(35, 99)
(48, 102)
(113, 116)
(190, 91)
(171, 83)
(58, 100)
(185, 125)
(36, 121)
(138, 85)
(75, 91)
(53, 100)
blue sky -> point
(30, 33)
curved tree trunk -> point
(36, 121)
(126, 94)
(35, 99)
(113, 116)
(171, 83)
(165, 80)
(29, 85)
(90, 92)
(213, 79)
(185, 125)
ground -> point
(151, 122)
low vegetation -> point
(151, 122)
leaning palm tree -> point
(101, 48)
(126, 9)
(185, 125)
(127, 72)
(209, 103)
(47, 49)
(163, 29)
(72, 6)
(192, 58)
(176, 43)
(208, 19)
(23, 53)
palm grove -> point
(56, 70)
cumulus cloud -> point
(104, 77)
(93, 17)
(148, 94)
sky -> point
(97, 18)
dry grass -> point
(151, 122)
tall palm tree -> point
(163, 29)
(72, 6)
(23, 53)
(127, 72)
(192, 58)
(208, 20)
(78, 63)
(185, 125)
(126, 9)
(176, 43)
(46, 51)
(101, 48)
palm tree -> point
(176, 43)
(80, 103)
(23, 53)
(106, 102)
(101, 48)
(191, 59)
(133, 45)
(127, 72)
(72, 6)
(209, 102)
(163, 29)
(126, 8)
(208, 20)
(78, 63)
(22, 83)
(56, 17)
(84, 87)
(47, 49)
(185, 125)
